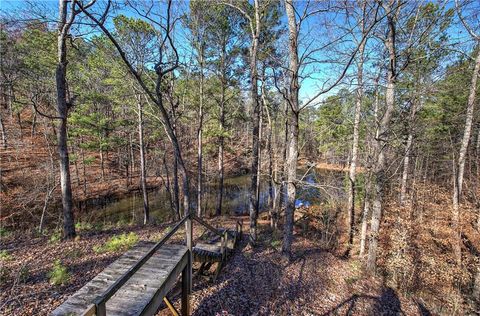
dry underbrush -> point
(417, 256)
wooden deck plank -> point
(135, 296)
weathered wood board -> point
(210, 250)
(143, 292)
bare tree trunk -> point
(457, 192)
(132, 157)
(271, 190)
(10, 100)
(175, 215)
(77, 174)
(292, 156)
(406, 167)
(282, 187)
(62, 108)
(353, 160)
(253, 201)
(199, 138)
(380, 179)
(34, 124)
(45, 206)
(84, 170)
(365, 214)
(176, 187)
(143, 169)
(477, 159)
(408, 149)
(102, 165)
(4, 133)
(368, 184)
(477, 154)
(220, 154)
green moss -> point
(59, 274)
(116, 243)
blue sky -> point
(321, 73)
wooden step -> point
(210, 250)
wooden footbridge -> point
(138, 282)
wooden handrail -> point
(101, 300)
(207, 225)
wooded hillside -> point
(356, 122)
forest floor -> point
(256, 281)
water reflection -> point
(235, 201)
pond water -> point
(236, 192)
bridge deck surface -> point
(143, 292)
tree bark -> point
(353, 160)
(143, 169)
(199, 137)
(102, 164)
(281, 195)
(292, 155)
(220, 152)
(408, 148)
(253, 201)
(62, 109)
(457, 192)
(368, 183)
(4, 133)
(381, 140)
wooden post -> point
(186, 286)
(189, 233)
(101, 309)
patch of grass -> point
(59, 274)
(351, 280)
(116, 243)
(276, 243)
(83, 226)
(55, 237)
(98, 226)
(5, 255)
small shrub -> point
(23, 274)
(276, 243)
(4, 232)
(351, 280)
(4, 274)
(75, 253)
(5, 256)
(116, 243)
(59, 274)
(55, 237)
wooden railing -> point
(99, 305)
